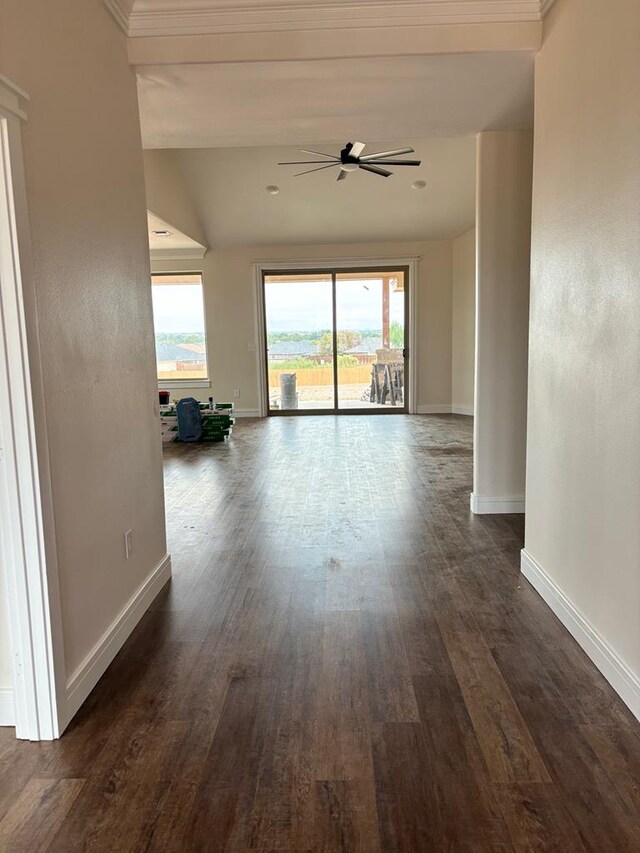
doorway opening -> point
(336, 340)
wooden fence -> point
(312, 376)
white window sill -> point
(170, 384)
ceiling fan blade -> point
(319, 154)
(343, 175)
(357, 149)
(376, 170)
(385, 154)
(306, 163)
(395, 162)
(309, 171)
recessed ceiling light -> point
(273, 190)
(418, 185)
(162, 233)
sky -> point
(178, 308)
(306, 306)
(291, 306)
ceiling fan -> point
(352, 158)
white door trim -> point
(341, 263)
(261, 342)
(28, 552)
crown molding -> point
(121, 11)
(13, 99)
(227, 18)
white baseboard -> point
(247, 413)
(434, 409)
(444, 409)
(87, 675)
(502, 505)
(7, 710)
(461, 409)
(625, 682)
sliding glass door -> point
(336, 341)
(370, 331)
(300, 353)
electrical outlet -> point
(236, 392)
(128, 544)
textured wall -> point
(86, 197)
(583, 473)
(463, 321)
(504, 235)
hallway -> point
(346, 660)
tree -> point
(396, 335)
(346, 341)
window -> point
(178, 314)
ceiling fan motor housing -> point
(351, 159)
(346, 155)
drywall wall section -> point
(503, 222)
(167, 194)
(229, 287)
(463, 322)
(86, 198)
(583, 472)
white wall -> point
(168, 196)
(463, 322)
(86, 198)
(504, 169)
(230, 309)
(583, 472)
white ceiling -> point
(236, 117)
(228, 190)
(173, 241)
(278, 103)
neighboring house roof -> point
(177, 352)
(293, 348)
(199, 348)
(368, 346)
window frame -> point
(169, 384)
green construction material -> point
(217, 423)
(223, 420)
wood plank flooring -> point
(345, 660)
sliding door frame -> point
(335, 267)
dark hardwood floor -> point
(345, 660)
